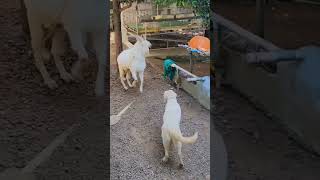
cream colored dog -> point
(171, 127)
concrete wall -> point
(292, 94)
(195, 90)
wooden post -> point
(117, 28)
(157, 10)
(137, 20)
(137, 27)
(145, 30)
(260, 17)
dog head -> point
(168, 95)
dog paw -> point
(141, 90)
(66, 77)
(125, 88)
(51, 83)
(164, 159)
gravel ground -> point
(258, 147)
(136, 145)
(31, 115)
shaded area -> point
(31, 115)
(287, 24)
(258, 147)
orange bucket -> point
(200, 42)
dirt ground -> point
(31, 115)
(287, 25)
(136, 145)
(258, 147)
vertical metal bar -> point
(260, 17)
(191, 62)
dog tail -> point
(186, 140)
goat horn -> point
(139, 38)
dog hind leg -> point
(179, 146)
(166, 140)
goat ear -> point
(141, 38)
(138, 38)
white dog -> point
(171, 127)
(133, 60)
(78, 18)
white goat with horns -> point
(133, 60)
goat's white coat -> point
(133, 61)
(171, 127)
(78, 18)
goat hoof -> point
(51, 84)
(77, 77)
(66, 77)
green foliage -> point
(179, 3)
(130, 1)
(201, 7)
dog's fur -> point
(132, 62)
(171, 127)
(77, 17)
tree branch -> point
(126, 7)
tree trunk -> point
(117, 27)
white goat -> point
(133, 60)
(78, 17)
